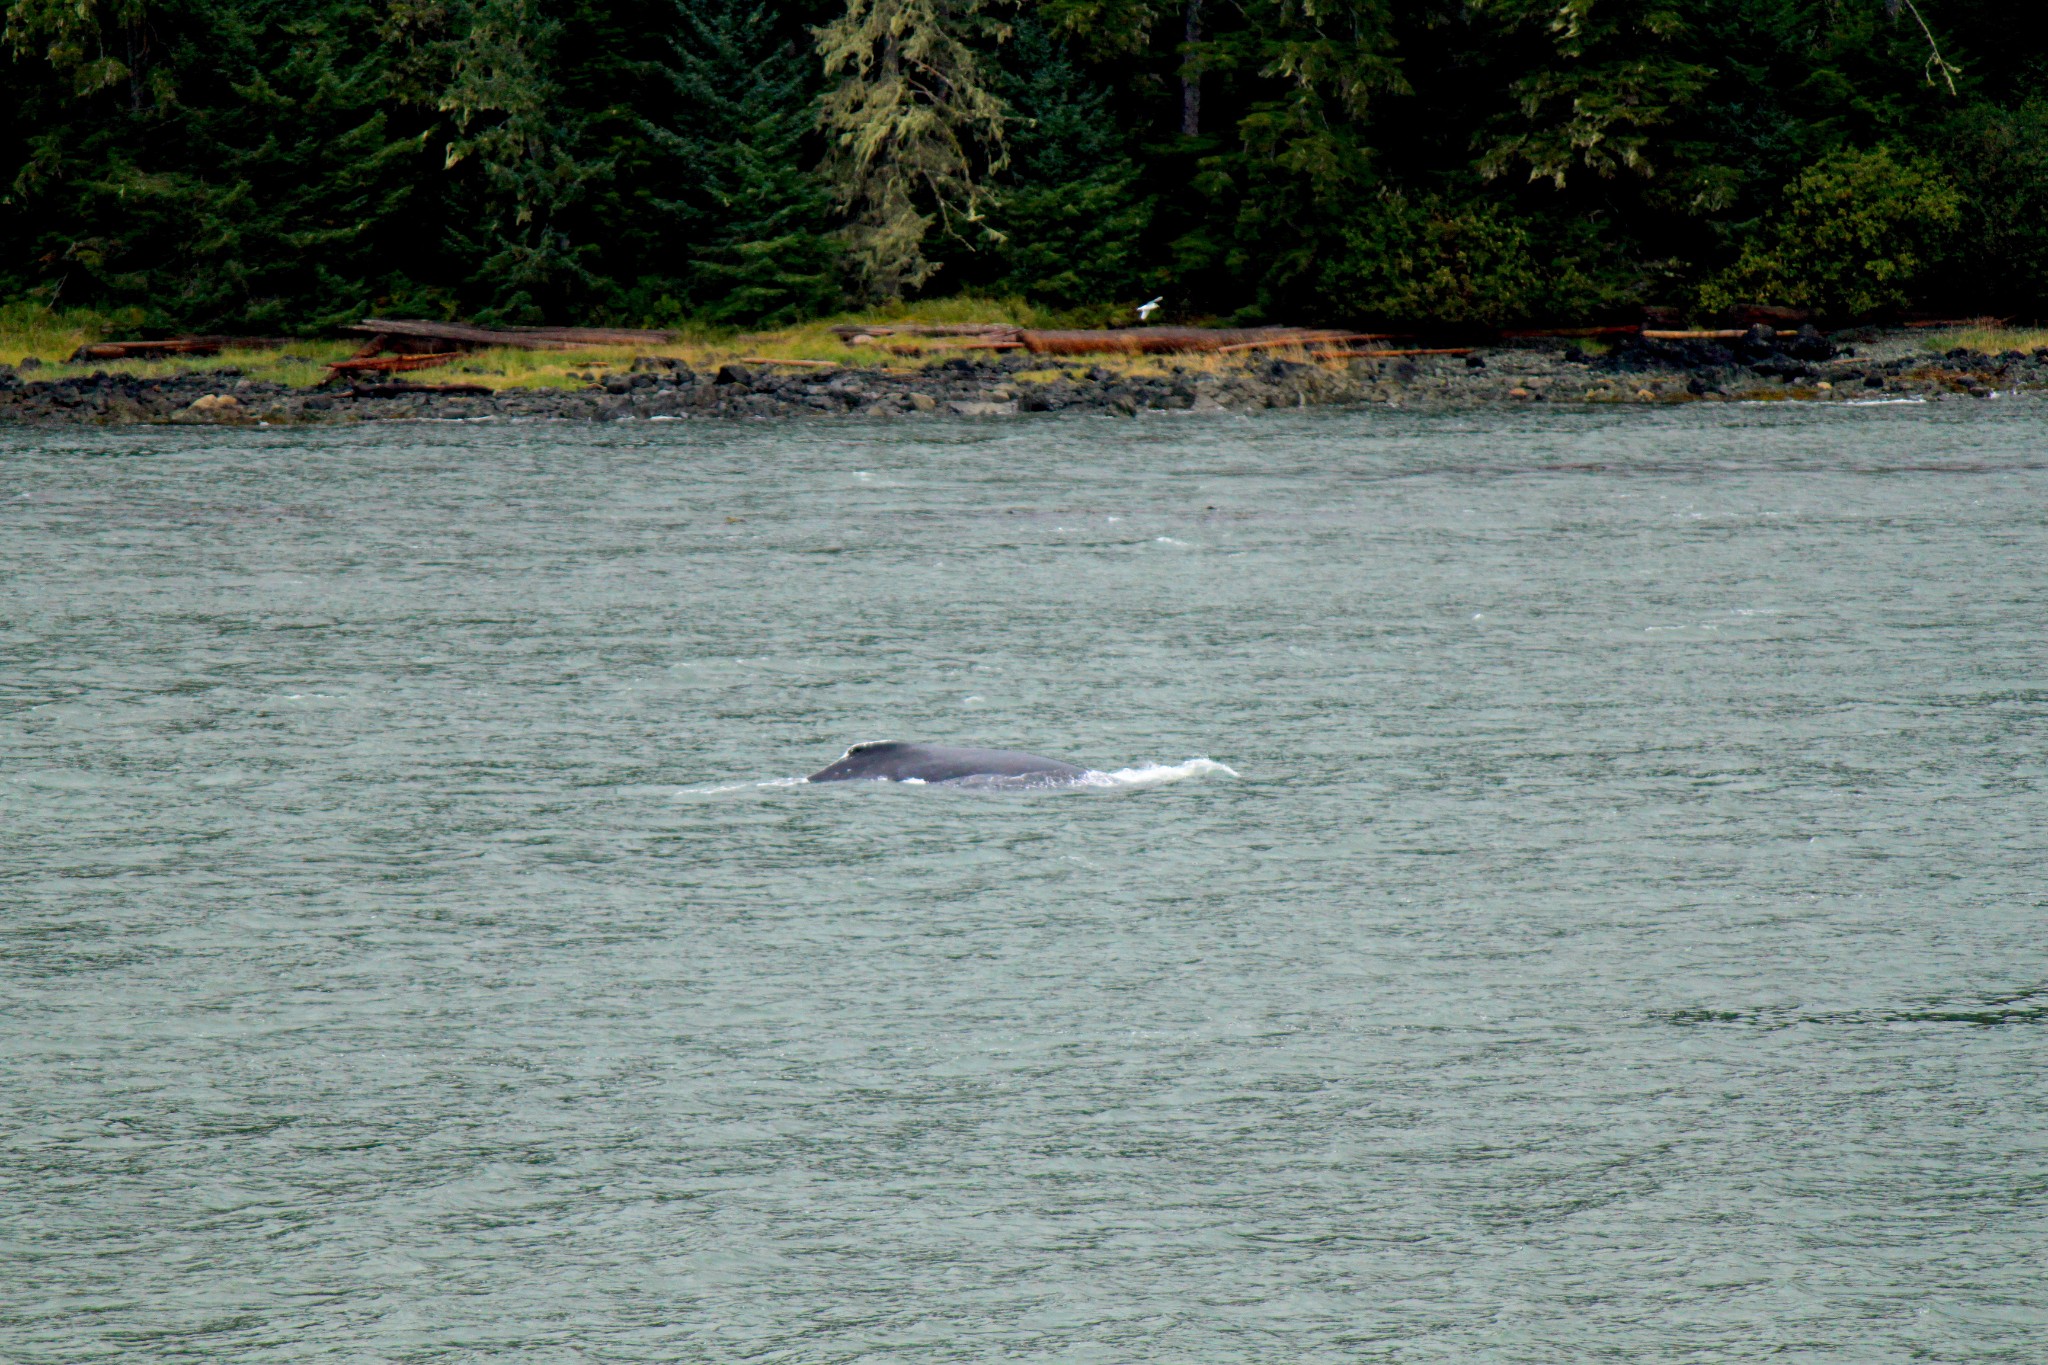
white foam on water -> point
(736, 786)
(1154, 774)
(1123, 779)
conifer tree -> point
(279, 165)
(509, 122)
(243, 175)
(914, 132)
(92, 44)
(754, 214)
(1072, 215)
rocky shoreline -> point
(1757, 366)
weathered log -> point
(1750, 314)
(521, 338)
(450, 333)
(143, 350)
(1959, 322)
(1166, 340)
(846, 331)
(386, 364)
(597, 336)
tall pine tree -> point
(752, 216)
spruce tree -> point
(1071, 216)
(518, 139)
(752, 217)
(914, 132)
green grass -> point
(31, 330)
(301, 365)
(28, 329)
(1990, 340)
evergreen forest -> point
(279, 166)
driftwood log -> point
(850, 331)
(395, 333)
(388, 364)
(144, 350)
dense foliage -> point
(257, 165)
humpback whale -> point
(897, 761)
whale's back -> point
(902, 761)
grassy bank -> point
(1989, 340)
(28, 330)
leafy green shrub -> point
(1857, 234)
(1436, 263)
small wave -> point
(1153, 774)
(725, 788)
(1142, 775)
(1123, 779)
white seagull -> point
(1146, 310)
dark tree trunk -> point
(1190, 79)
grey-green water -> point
(1622, 941)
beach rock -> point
(1809, 344)
(1787, 370)
(1638, 353)
(656, 388)
(213, 407)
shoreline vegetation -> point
(877, 365)
(248, 168)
